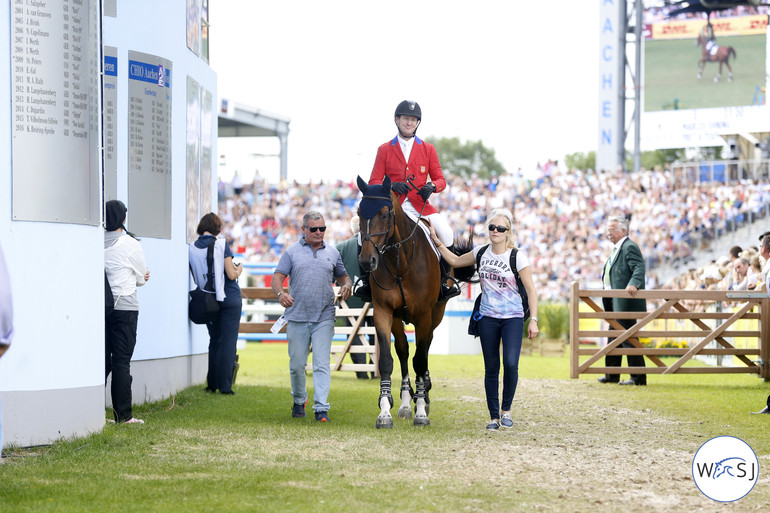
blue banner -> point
(111, 66)
(151, 73)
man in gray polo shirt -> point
(310, 266)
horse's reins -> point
(385, 247)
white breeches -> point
(439, 222)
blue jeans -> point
(491, 331)
(301, 335)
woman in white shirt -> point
(502, 310)
(126, 270)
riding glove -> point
(400, 187)
(427, 190)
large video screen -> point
(687, 99)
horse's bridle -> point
(367, 237)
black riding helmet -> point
(407, 108)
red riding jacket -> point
(423, 162)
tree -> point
(651, 159)
(581, 161)
(465, 159)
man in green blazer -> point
(624, 269)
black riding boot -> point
(364, 290)
(447, 291)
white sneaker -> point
(134, 420)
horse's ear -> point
(362, 186)
(386, 184)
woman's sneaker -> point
(506, 421)
(495, 424)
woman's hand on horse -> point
(427, 190)
(400, 187)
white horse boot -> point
(385, 419)
(405, 411)
(420, 415)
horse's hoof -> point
(384, 422)
(405, 413)
(716, 79)
(421, 421)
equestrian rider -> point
(410, 162)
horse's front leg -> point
(402, 350)
(424, 336)
(700, 68)
(382, 322)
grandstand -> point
(560, 218)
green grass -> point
(671, 67)
(203, 452)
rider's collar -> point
(395, 140)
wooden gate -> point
(700, 329)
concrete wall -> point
(52, 377)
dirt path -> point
(601, 458)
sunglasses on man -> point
(314, 229)
(498, 229)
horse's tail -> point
(464, 274)
(731, 51)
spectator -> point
(223, 331)
(740, 272)
(624, 269)
(6, 323)
(311, 266)
(754, 275)
(126, 270)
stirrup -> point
(448, 292)
(364, 292)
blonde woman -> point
(501, 308)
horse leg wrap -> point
(385, 391)
(420, 414)
(406, 384)
(420, 390)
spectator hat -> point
(711, 272)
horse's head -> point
(376, 222)
(701, 41)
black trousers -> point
(617, 360)
(223, 338)
(119, 343)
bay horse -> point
(405, 275)
(722, 56)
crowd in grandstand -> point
(560, 217)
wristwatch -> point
(279, 294)
(533, 319)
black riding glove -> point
(400, 187)
(427, 190)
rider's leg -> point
(446, 236)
